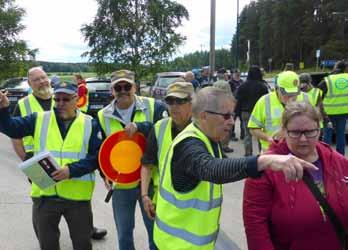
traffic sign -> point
(120, 155)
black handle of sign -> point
(108, 196)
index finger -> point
(308, 165)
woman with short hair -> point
(286, 215)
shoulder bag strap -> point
(339, 229)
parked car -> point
(17, 88)
(159, 89)
(99, 93)
(144, 89)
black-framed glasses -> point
(311, 133)
(178, 101)
(226, 116)
(64, 99)
(127, 87)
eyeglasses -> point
(226, 116)
(178, 101)
(127, 87)
(307, 133)
(65, 99)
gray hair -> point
(208, 98)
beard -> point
(45, 91)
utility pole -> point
(237, 35)
(212, 40)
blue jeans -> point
(339, 124)
(123, 204)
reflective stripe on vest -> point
(269, 117)
(28, 105)
(160, 135)
(183, 234)
(77, 138)
(313, 95)
(273, 112)
(335, 101)
(147, 111)
(201, 205)
(68, 155)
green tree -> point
(13, 51)
(292, 30)
(138, 34)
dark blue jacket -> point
(19, 127)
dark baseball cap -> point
(65, 87)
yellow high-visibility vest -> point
(190, 220)
(335, 101)
(74, 147)
(28, 105)
(267, 114)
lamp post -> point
(212, 40)
(237, 35)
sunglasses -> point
(226, 116)
(127, 87)
(307, 133)
(65, 99)
(178, 101)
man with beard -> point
(129, 113)
(72, 139)
(38, 101)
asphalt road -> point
(15, 212)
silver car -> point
(159, 89)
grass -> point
(69, 76)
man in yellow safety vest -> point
(190, 190)
(71, 137)
(178, 100)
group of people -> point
(184, 165)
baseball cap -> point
(288, 83)
(55, 80)
(180, 90)
(122, 76)
(65, 87)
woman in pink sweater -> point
(285, 215)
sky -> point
(53, 26)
